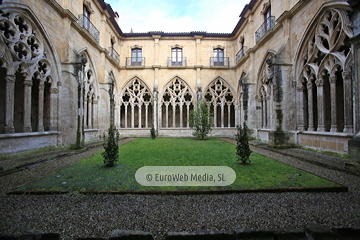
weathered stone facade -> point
(289, 69)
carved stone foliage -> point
(177, 93)
(136, 93)
(26, 46)
(327, 47)
(219, 92)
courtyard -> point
(78, 215)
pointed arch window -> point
(221, 103)
(136, 109)
(176, 103)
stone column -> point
(310, 86)
(139, 107)
(53, 109)
(348, 103)
(146, 115)
(132, 116)
(9, 104)
(301, 108)
(86, 111)
(215, 115)
(126, 115)
(27, 106)
(90, 113)
(187, 114)
(95, 114)
(181, 115)
(40, 126)
(222, 114)
(229, 117)
(174, 115)
(334, 127)
(320, 102)
(167, 115)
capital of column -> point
(300, 88)
(28, 83)
(309, 85)
(10, 78)
(54, 90)
(332, 79)
(319, 82)
(346, 75)
(41, 86)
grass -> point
(90, 173)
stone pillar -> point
(334, 127)
(301, 108)
(95, 114)
(9, 104)
(167, 115)
(132, 116)
(181, 115)
(348, 103)
(27, 106)
(222, 114)
(215, 114)
(146, 115)
(229, 117)
(187, 114)
(54, 93)
(139, 107)
(86, 110)
(174, 115)
(126, 116)
(40, 126)
(320, 102)
(310, 86)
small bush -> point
(111, 146)
(200, 120)
(242, 145)
(153, 133)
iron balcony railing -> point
(86, 23)
(264, 28)
(240, 54)
(135, 61)
(219, 61)
(114, 54)
(177, 61)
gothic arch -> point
(30, 72)
(221, 101)
(176, 101)
(91, 92)
(136, 104)
(264, 90)
(324, 74)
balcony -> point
(264, 28)
(240, 54)
(114, 54)
(176, 62)
(86, 23)
(219, 62)
(135, 62)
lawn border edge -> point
(191, 192)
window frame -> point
(136, 57)
(219, 57)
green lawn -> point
(90, 173)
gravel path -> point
(98, 215)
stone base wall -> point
(19, 142)
(92, 134)
(337, 142)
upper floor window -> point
(267, 19)
(218, 57)
(136, 57)
(176, 56)
(86, 19)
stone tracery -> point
(221, 103)
(136, 105)
(27, 75)
(176, 103)
(324, 94)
